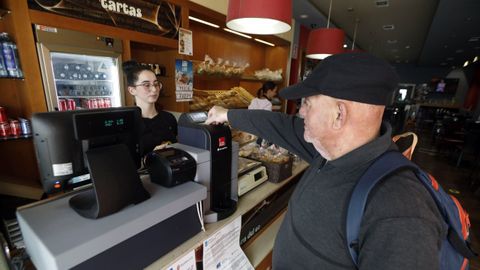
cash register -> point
(217, 140)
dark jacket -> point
(401, 228)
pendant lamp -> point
(323, 42)
(261, 17)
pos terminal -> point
(217, 139)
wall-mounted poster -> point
(185, 43)
(183, 80)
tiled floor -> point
(456, 180)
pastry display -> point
(203, 100)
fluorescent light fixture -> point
(204, 22)
(237, 33)
(466, 63)
(475, 59)
(264, 42)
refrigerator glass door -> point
(85, 81)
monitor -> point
(404, 93)
(99, 146)
(440, 87)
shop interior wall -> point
(221, 44)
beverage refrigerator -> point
(79, 70)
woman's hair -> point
(132, 69)
(268, 85)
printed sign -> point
(183, 80)
(154, 17)
(185, 43)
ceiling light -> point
(466, 63)
(263, 17)
(450, 58)
(324, 42)
(264, 42)
(204, 22)
(459, 51)
(388, 27)
(407, 47)
(304, 16)
(392, 41)
(475, 59)
(381, 3)
(474, 39)
(236, 33)
(443, 64)
(345, 46)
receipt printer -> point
(170, 167)
(217, 139)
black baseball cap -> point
(355, 76)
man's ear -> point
(342, 114)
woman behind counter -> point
(160, 126)
(264, 97)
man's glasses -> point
(147, 85)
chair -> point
(406, 143)
(470, 147)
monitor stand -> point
(116, 183)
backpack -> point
(455, 250)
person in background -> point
(340, 134)
(264, 97)
(160, 127)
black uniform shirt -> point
(157, 130)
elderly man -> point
(340, 135)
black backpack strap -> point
(386, 164)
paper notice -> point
(222, 250)
(185, 263)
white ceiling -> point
(427, 33)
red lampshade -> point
(324, 42)
(262, 17)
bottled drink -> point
(10, 56)
(3, 69)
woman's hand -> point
(217, 115)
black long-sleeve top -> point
(157, 130)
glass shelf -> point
(11, 138)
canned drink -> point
(62, 104)
(25, 125)
(71, 104)
(107, 103)
(3, 114)
(94, 103)
(15, 128)
(101, 103)
(4, 129)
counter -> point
(246, 203)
